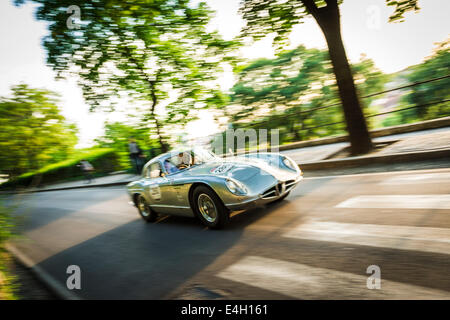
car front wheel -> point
(209, 208)
(144, 209)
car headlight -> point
(236, 187)
(290, 164)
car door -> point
(159, 190)
(174, 191)
(152, 184)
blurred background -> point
(92, 89)
(80, 82)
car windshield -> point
(202, 155)
(185, 159)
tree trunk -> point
(163, 145)
(328, 19)
(140, 67)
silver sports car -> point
(196, 183)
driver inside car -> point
(184, 160)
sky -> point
(365, 30)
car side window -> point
(170, 167)
(178, 162)
(154, 171)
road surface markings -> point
(305, 282)
(424, 239)
(430, 201)
(417, 178)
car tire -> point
(144, 209)
(209, 208)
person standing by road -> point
(135, 155)
(87, 169)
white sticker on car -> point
(223, 168)
(155, 192)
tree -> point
(266, 16)
(436, 66)
(270, 84)
(33, 133)
(284, 92)
(117, 136)
(142, 50)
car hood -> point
(241, 169)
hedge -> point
(104, 160)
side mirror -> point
(155, 173)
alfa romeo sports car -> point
(196, 183)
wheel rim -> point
(143, 208)
(207, 207)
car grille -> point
(272, 192)
(277, 189)
(289, 184)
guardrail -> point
(299, 113)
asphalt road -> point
(317, 244)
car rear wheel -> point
(209, 208)
(144, 210)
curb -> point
(47, 280)
(380, 159)
(111, 184)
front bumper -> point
(279, 190)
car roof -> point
(162, 157)
(170, 153)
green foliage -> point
(401, 7)
(117, 137)
(438, 65)
(139, 50)
(104, 160)
(279, 92)
(33, 133)
(267, 16)
(7, 224)
(8, 230)
(393, 119)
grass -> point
(8, 285)
(8, 282)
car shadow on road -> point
(138, 260)
(141, 261)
